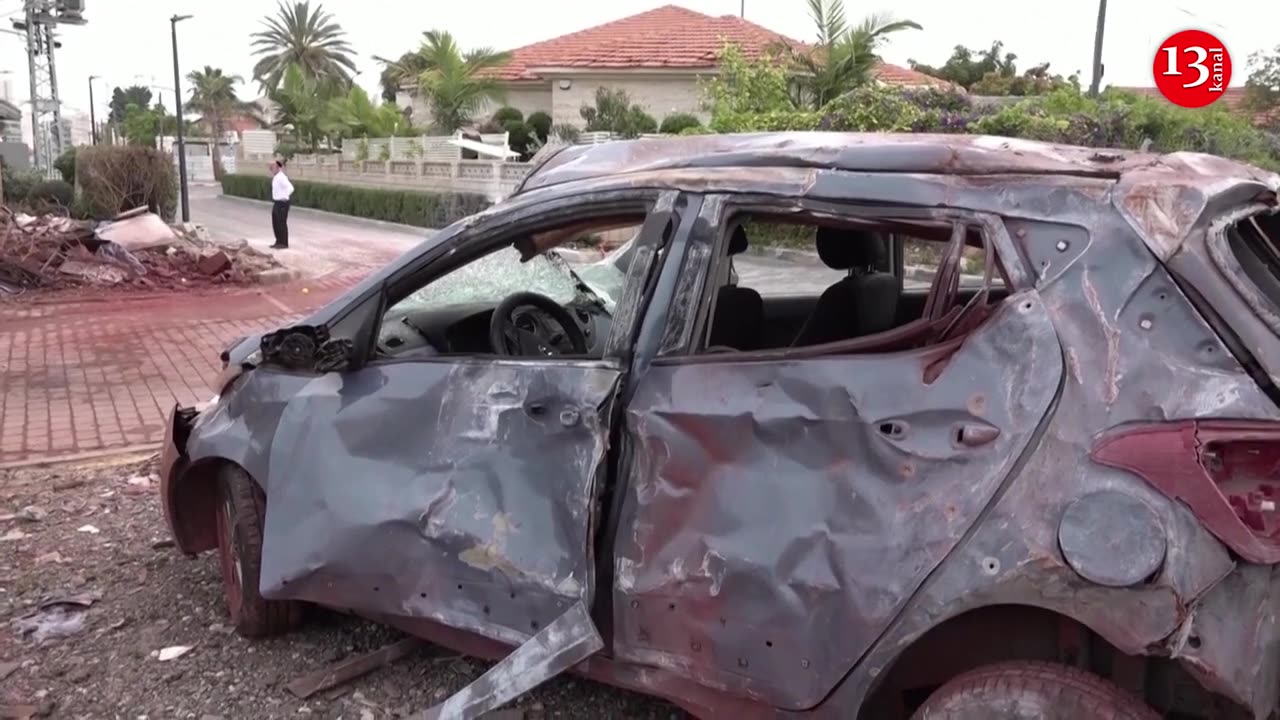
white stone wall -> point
(659, 94)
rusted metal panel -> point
(780, 513)
(1135, 349)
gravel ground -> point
(94, 534)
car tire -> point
(242, 509)
(1032, 691)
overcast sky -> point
(129, 38)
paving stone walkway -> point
(86, 376)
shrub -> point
(65, 164)
(506, 115)
(408, 207)
(615, 113)
(115, 178)
(565, 132)
(677, 123)
(18, 183)
(57, 193)
(518, 136)
(541, 123)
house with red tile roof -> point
(656, 56)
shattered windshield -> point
(494, 277)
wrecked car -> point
(1047, 493)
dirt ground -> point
(94, 534)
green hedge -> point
(408, 207)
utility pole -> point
(1096, 85)
(40, 17)
(93, 118)
(177, 99)
(742, 10)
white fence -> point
(428, 163)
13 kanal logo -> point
(1192, 68)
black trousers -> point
(280, 221)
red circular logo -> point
(1192, 68)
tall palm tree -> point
(305, 37)
(454, 83)
(213, 95)
(844, 56)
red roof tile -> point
(669, 37)
(906, 77)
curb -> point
(338, 216)
(143, 449)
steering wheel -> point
(529, 324)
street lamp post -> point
(93, 118)
(177, 99)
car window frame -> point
(684, 337)
(490, 234)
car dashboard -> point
(464, 330)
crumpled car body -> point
(1084, 473)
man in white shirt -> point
(281, 191)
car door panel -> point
(458, 491)
(778, 514)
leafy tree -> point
(844, 56)
(995, 72)
(396, 73)
(749, 86)
(1262, 89)
(213, 95)
(310, 39)
(141, 125)
(122, 98)
(615, 113)
(456, 84)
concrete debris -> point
(135, 250)
(214, 263)
(142, 231)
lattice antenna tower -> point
(40, 18)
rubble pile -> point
(134, 250)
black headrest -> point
(738, 242)
(847, 249)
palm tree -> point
(455, 84)
(844, 56)
(213, 95)
(303, 106)
(305, 37)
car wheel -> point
(1025, 690)
(242, 508)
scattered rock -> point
(173, 652)
(88, 529)
(68, 484)
(33, 513)
(12, 535)
(8, 668)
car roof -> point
(876, 152)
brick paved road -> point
(89, 376)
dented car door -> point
(780, 509)
(458, 490)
